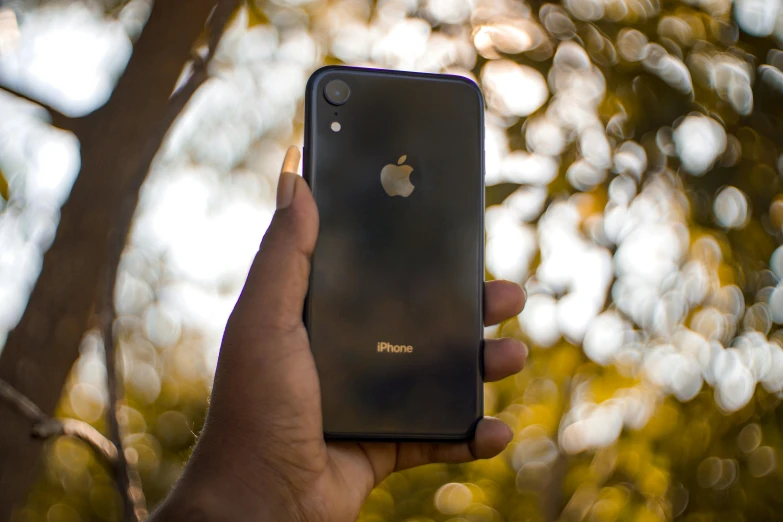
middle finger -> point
(503, 357)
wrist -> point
(214, 492)
(212, 503)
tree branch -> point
(45, 427)
(133, 501)
(58, 119)
(118, 142)
(126, 476)
(21, 403)
(78, 430)
(217, 23)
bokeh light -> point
(633, 170)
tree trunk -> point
(118, 142)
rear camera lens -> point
(337, 92)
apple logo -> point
(396, 178)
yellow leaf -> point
(332, 60)
(3, 186)
(255, 15)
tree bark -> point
(118, 142)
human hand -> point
(262, 454)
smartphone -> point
(394, 312)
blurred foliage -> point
(634, 180)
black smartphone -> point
(395, 161)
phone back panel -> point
(407, 271)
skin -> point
(262, 455)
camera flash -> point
(336, 126)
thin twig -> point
(21, 403)
(45, 427)
(126, 476)
(133, 510)
(78, 430)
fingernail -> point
(291, 161)
(286, 185)
(285, 189)
(510, 436)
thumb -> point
(276, 286)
